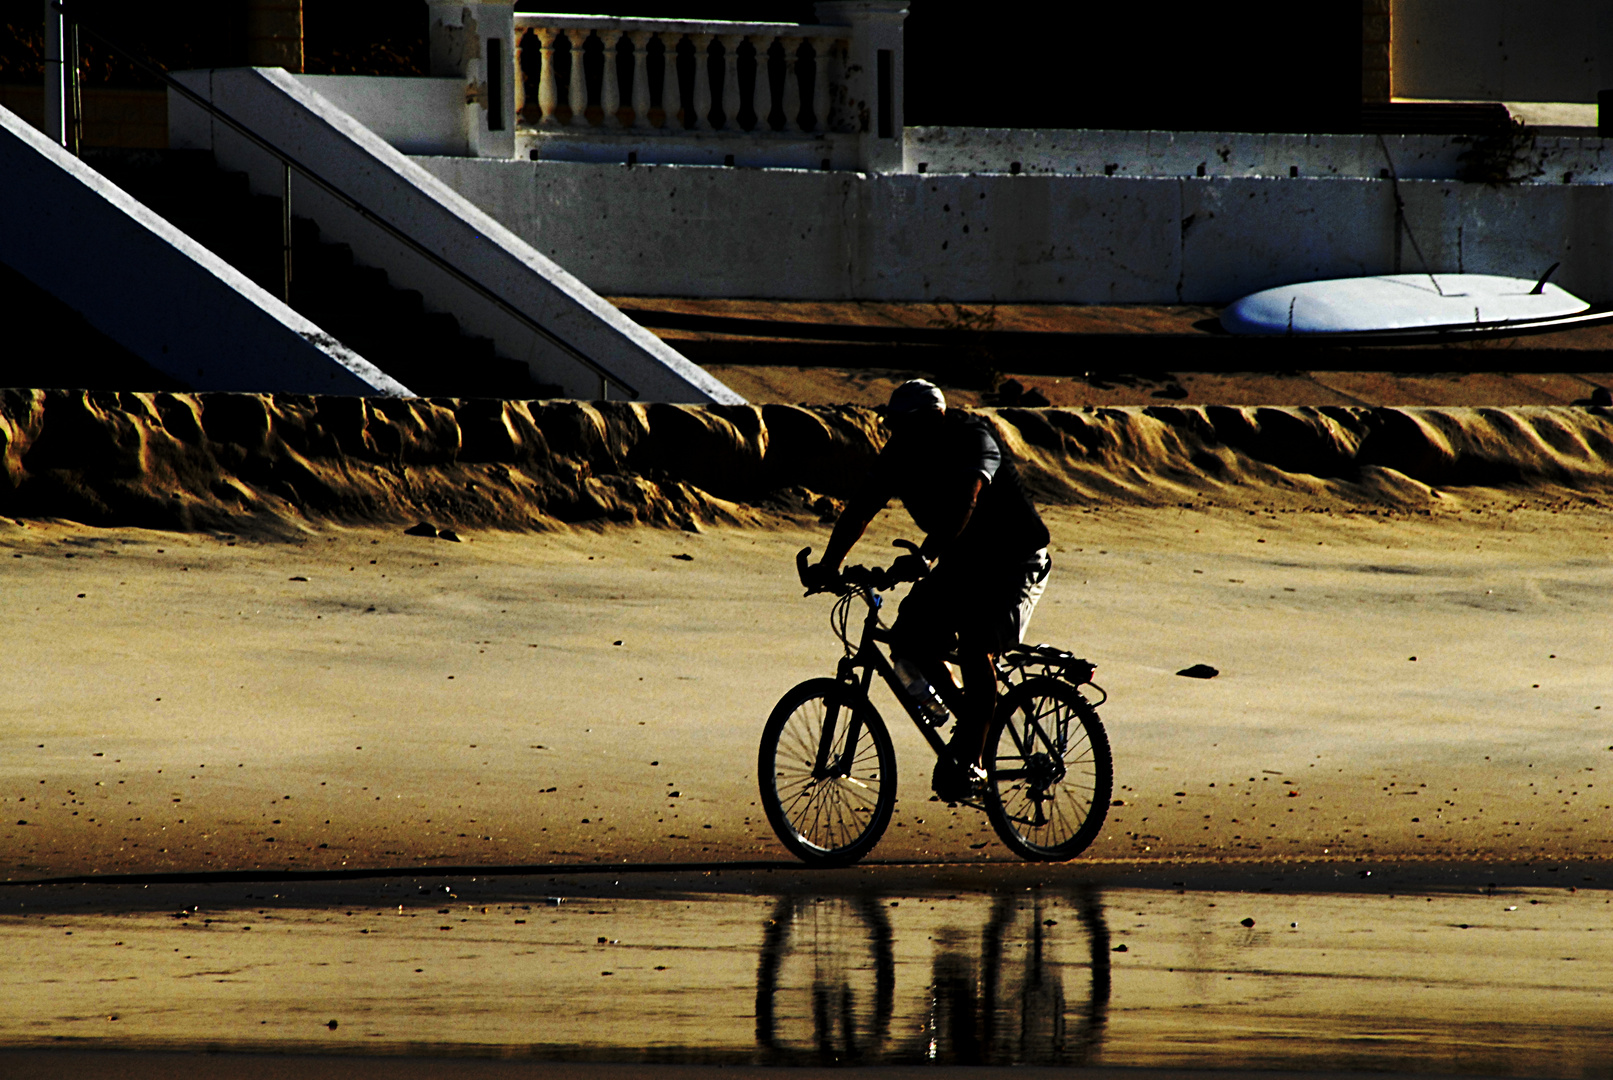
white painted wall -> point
(1582, 160)
(786, 234)
(154, 290)
(300, 122)
(416, 116)
(1501, 50)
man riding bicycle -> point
(988, 547)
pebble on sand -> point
(1199, 671)
(425, 528)
(1247, 922)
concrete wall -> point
(688, 231)
(1502, 50)
(1583, 160)
(416, 116)
(301, 123)
(154, 290)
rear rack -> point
(1028, 660)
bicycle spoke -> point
(827, 812)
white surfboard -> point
(1401, 303)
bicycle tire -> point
(1048, 787)
(828, 820)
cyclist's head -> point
(913, 403)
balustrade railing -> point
(578, 72)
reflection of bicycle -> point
(826, 982)
(828, 770)
(827, 990)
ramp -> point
(154, 290)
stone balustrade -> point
(782, 80)
(593, 88)
(635, 90)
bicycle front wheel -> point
(1049, 775)
(827, 772)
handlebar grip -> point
(801, 563)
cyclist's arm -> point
(859, 512)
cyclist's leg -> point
(980, 699)
(925, 630)
(997, 608)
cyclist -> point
(989, 550)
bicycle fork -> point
(827, 763)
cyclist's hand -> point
(819, 577)
(908, 567)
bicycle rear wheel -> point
(827, 773)
(1049, 773)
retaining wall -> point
(667, 230)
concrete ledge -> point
(154, 290)
(302, 123)
(1536, 159)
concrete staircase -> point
(426, 351)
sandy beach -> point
(293, 785)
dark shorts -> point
(970, 605)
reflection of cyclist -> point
(978, 521)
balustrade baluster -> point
(792, 83)
(548, 94)
(702, 80)
(577, 91)
(641, 77)
(839, 51)
(820, 83)
(520, 79)
(762, 96)
(730, 80)
(610, 83)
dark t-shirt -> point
(931, 473)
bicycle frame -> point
(870, 660)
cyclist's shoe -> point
(955, 783)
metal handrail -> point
(606, 376)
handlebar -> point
(853, 578)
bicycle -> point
(827, 769)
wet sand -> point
(1406, 975)
(1397, 686)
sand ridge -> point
(238, 461)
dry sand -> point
(1406, 686)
